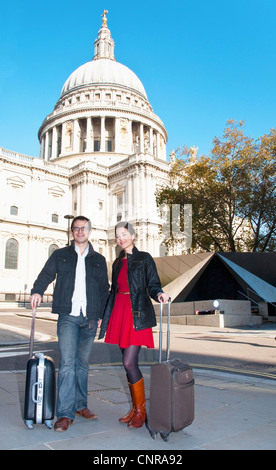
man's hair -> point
(81, 217)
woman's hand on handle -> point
(163, 297)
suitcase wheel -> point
(164, 436)
(153, 434)
(49, 423)
(29, 423)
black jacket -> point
(143, 281)
(62, 266)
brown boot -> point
(139, 401)
(128, 416)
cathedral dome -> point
(103, 110)
(103, 72)
(103, 69)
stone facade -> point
(103, 155)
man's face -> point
(80, 232)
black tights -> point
(130, 363)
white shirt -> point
(79, 295)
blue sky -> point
(201, 62)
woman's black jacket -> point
(143, 281)
(61, 266)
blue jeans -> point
(75, 344)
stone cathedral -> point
(102, 155)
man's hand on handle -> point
(35, 300)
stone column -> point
(136, 195)
(151, 141)
(46, 146)
(129, 200)
(88, 135)
(42, 146)
(54, 143)
(76, 136)
(142, 138)
(63, 138)
(102, 147)
(117, 135)
(158, 145)
(130, 149)
(79, 197)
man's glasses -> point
(79, 229)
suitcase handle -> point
(35, 393)
(32, 333)
(161, 333)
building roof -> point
(103, 72)
(250, 281)
(216, 275)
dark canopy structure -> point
(206, 276)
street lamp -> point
(68, 217)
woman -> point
(129, 316)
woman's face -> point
(124, 239)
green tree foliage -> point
(232, 192)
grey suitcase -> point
(40, 388)
(171, 406)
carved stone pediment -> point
(118, 188)
(16, 182)
(56, 191)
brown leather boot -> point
(139, 401)
(129, 415)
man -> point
(79, 298)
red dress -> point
(120, 328)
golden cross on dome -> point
(104, 17)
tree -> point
(261, 206)
(232, 192)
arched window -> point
(51, 249)
(11, 255)
(55, 218)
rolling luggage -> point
(40, 389)
(171, 406)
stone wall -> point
(230, 313)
